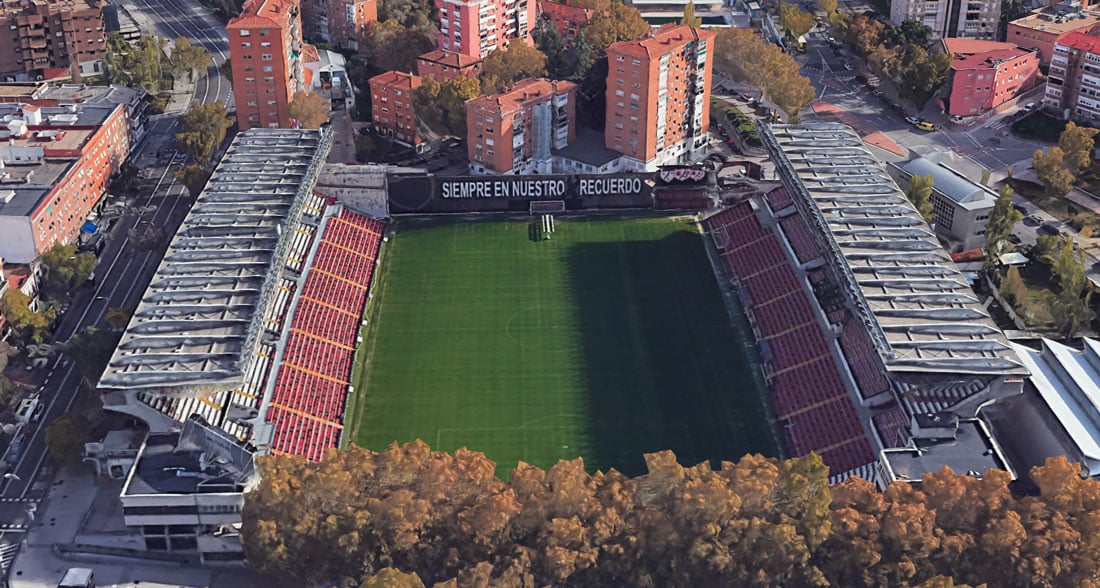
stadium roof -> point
(198, 319)
(916, 304)
(1068, 381)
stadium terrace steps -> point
(807, 390)
(310, 395)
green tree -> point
(117, 318)
(909, 34)
(1077, 145)
(194, 177)
(744, 57)
(391, 46)
(1001, 223)
(564, 61)
(922, 75)
(91, 349)
(414, 14)
(63, 271)
(139, 65)
(1014, 288)
(919, 194)
(1051, 169)
(188, 58)
(829, 6)
(689, 16)
(619, 23)
(796, 21)
(65, 439)
(864, 34)
(310, 109)
(202, 131)
(504, 68)
(27, 326)
(391, 578)
(442, 107)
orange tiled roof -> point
(520, 93)
(397, 79)
(1081, 41)
(659, 41)
(260, 13)
(450, 58)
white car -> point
(912, 120)
(1029, 107)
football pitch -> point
(607, 341)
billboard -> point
(432, 194)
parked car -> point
(927, 126)
(956, 118)
(847, 66)
(1029, 107)
(1031, 220)
(1020, 208)
(1048, 229)
(912, 120)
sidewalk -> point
(870, 134)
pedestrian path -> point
(870, 134)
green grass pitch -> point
(607, 341)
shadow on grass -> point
(663, 366)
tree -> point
(309, 109)
(117, 318)
(91, 349)
(742, 56)
(27, 326)
(689, 16)
(63, 271)
(922, 75)
(919, 194)
(65, 439)
(1002, 221)
(1050, 168)
(909, 34)
(140, 65)
(794, 20)
(391, 578)
(619, 22)
(442, 107)
(421, 15)
(563, 61)
(503, 68)
(865, 33)
(392, 46)
(829, 6)
(188, 58)
(202, 130)
(1077, 145)
(1013, 287)
(194, 177)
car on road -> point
(912, 120)
(847, 66)
(927, 126)
(37, 414)
(1020, 208)
(1031, 220)
(956, 118)
(1029, 107)
(1048, 229)
(1014, 239)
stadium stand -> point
(310, 392)
(807, 391)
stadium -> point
(304, 307)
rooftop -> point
(959, 188)
(260, 13)
(81, 93)
(25, 90)
(1081, 42)
(1068, 381)
(396, 79)
(976, 54)
(660, 40)
(198, 319)
(917, 306)
(588, 148)
(522, 93)
(971, 450)
(1047, 20)
(200, 459)
(450, 58)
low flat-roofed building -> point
(1060, 406)
(131, 99)
(185, 491)
(960, 206)
(943, 440)
(21, 92)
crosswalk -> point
(8, 552)
(13, 527)
(26, 500)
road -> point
(123, 270)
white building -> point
(960, 206)
(971, 19)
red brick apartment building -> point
(658, 96)
(447, 65)
(985, 75)
(1042, 28)
(1073, 82)
(514, 131)
(568, 19)
(42, 35)
(57, 164)
(340, 22)
(392, 107)
(478, 27)
(265, 49)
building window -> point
(245, 32)
(265, 57)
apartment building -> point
(46, 35)
(986, 75)
(265, 49)
(568, 19)
(478, 27)
(514, 131)
(1073, 82)
(56, 165)
(392, 107)
(1042, 28)
(447, 65)
(340, 22)
(971, 19)
(658, 96)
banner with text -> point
(428, 194)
